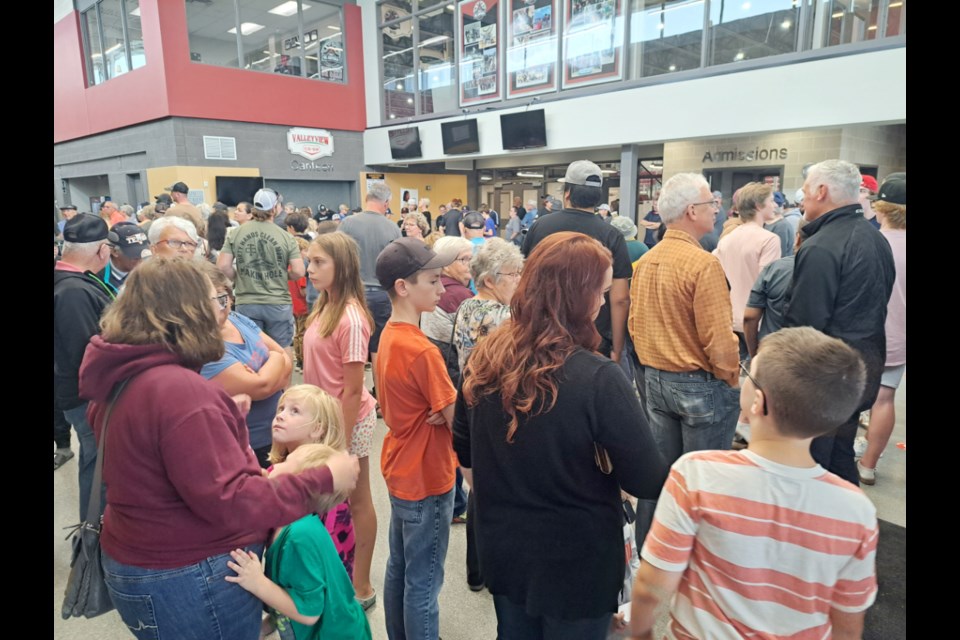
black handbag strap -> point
(96, 490)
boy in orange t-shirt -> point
(416, 397)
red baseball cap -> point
(869, 182)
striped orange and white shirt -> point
(766, 550)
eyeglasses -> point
(178, 244)
(465, 261)
(223, 300)
(712, 203)
(757, 385)
(515, 274)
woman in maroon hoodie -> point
(183, 485)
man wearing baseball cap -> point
(183, 208)
(67, 212)
(868, 193)
(582, 192)
(128, 247)
(79, 298)
(416, 461)
(266, 258)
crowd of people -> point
(565, 389)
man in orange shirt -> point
(418, 464)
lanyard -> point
(106, 286)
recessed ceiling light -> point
(392, 116)
(838, 14)
(739, 56)
(485, 178)
(872, 28)
(785, 24)
(673, 67)
(409, 100)
(399, 86)
(894, 5)
(330, 26)
(247, 28)
(449, 7)
(287, 9)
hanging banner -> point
(477, 28)
(592, 42)
(531, 47)
(388, 13)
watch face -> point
(479, 10)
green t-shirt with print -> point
(263, 252)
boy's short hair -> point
(317, 455)
(813, 383)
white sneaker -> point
(859, 447)
(868, 476)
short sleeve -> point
(758, 294)
(228, 242)
(622, 267)
(306, 562)
(293, 250)
(212, 369)
(856, 586)
(353, 336)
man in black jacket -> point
(842, 279)
(79, 298)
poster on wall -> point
(374, 178)
(409, 198)
(477, 26)
(531, 47)
(593, 42)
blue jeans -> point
(419, 534)
(194, 602)
(87, 462)
(380, 308)
(275, 320)
(690, 411)
(514, 623)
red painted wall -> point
(171, 85)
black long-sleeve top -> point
(548, 521)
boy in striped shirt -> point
(764, 542)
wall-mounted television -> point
(232, 190)
(405, 143)
(524, 130)
(460, 136)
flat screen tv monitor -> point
(524, 130)
(460, 136)
(233, 189)
(405, 143)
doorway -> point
(727, 181)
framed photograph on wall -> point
(479, 41)
(531, 47)
(592, 42)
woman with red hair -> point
(547, 432)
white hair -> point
(490, 260)
(425, 202)
(161, 224)
(841, 178)
(678, 193)
(450, 243)
(85, 249)
(205, 210)
(380, 192)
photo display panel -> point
(478, 30)
(531, 47)
(592, 42)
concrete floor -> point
(464, 615)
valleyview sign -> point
(311, 144)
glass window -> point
(209, 27)
(592, 41)
(323, 43)
(135, 34)
(391, 10)
(665, 36)
(114, 53)
(438, 91)
(94, 50)
(752, 29)
(270, 36)
(398, 85)
(852, 21)
(895, 18)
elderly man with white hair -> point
(173, 237)
(843, 276)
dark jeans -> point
(459, 495)
(474, 575)
(380, 308)
(513, 623)
(61, 428)
(87, 463)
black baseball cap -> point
(85, 227)
(894, 189)
(130, 239)
(405, 256)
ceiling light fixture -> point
(785, 24)
(330, 26)
(739, 56)
(287, 9)
(523, 174)
(745, 6)
(246, 28)
(673, 67)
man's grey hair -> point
(841, 178)
(205, 210)
(492, 258)
(85, 249)
(380, 192)
(678, 193)
(532, 203)
(452, 243)
(160, 224)
(127, 210)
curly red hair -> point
(552, 316)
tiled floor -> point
(464, 615)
